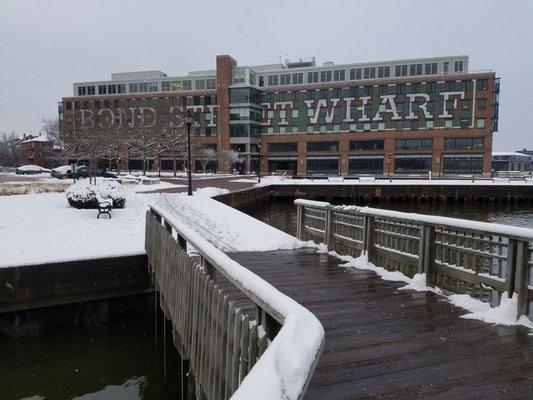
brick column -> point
(225, 65)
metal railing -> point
(481, 259)
(224, 346)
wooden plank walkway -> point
(382, 343)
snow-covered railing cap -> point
(286, 367)
(514, 232)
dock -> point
(377, 342)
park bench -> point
(104, 208)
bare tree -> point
(10, 155)
(205, 155)
(229, 158)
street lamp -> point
(189, 119)
(388, 165)
(259, 162)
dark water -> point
(281, 213)
(115, 361)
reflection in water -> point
(281, 213)
(115, 361)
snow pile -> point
(504, 314)
(281, 372)
(86, 195)
(228, 229)
(210, 191)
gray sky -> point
(47, 45)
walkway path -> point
(382, 343)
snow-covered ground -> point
(277, 180)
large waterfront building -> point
(390, 117)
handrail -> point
(494, 228)
(460, 256)
(285, 368)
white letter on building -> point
(412, 97)
(212, 108)
(364, 117)
(283, 105)
(111, 121)
(87, 118)
(390, 99)
(264, 114)
(348, 101)
(143, 119)
(447, 95)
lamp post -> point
(259, 162)
(388, 165)
(189, 119)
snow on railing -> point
(482, 259)
(284, 369)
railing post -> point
(369, 239)
(511, 267)
(330, 230)
(269, 324)
(182, 242)
(156, 215)
(209, 269)
(521, 277)
(427, 253)
(300, 227)
(168, 227)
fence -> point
(459, 256)
(222, 344)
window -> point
(165, 86)
(310, 129)
(382, 89)
(381, 126)
(415, 69)
(416, 164)
(199, 84)
(384, 72)
(366, 126)
(463, 164)
(238, 76)
(464, 123)
(91, 89)
(294, 113)
(294, 130)
(466, 85)
(465, 104)
(322, 146)
(369, 72)
(368, 90)
(431, 87)
(480, 123)
(481, 104)
(399, 125)
(431, 69)
(323, 128)
(336, 128)
(414, 144)
(210, 84)
(338, 75)
(448, 124)
(326, 166)
(187, 85)
(298, 79)
(429, 124)
(284, 147)
(102, 89)
(458, 66)
(285, 79)
(82, 90)
(365, 145)
(352, 74)
(111, 89)
(272, 80)
(463, 143)
(353, 127)
(153, 87)
(400, 88)
(143, 87)
(244, 113)
(445, 67)
(400, 70)
(365, 165)
(482, 84)
(312, 77)
(176, 85)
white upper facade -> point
(271, 75)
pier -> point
(294, 323)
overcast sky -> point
(45, 46)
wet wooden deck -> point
(382, 343)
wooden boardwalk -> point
(382, 343)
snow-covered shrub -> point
(86, 195)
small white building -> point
(511, 161)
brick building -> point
(392, 117)
(36, 150)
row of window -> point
(452, 164)
(154, 102)
(372, 145)
(148, 87)
(336, 75)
